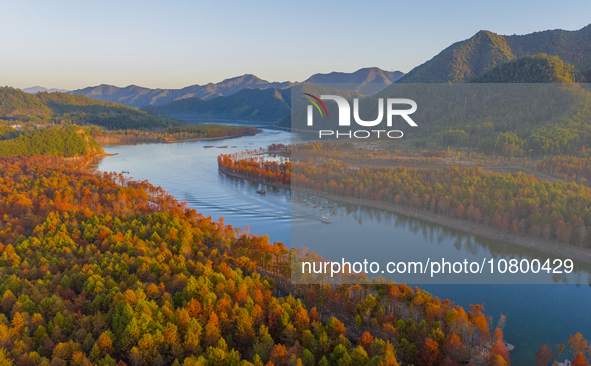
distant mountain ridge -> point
(36, 89)
(261, 105)
(268, 105)
(370, 80)
(485, 50)
(137, 96)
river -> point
(536, 314)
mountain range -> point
(267, 105)
(552, 56)
(367, 81)
(138, 97)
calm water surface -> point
(536, 314)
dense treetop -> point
(530, 69)
(96, 269)
(67, 141)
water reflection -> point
(420, 240)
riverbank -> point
(87, 158)
(114, 140)
(478, 229)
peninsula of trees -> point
(209, 131)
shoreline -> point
(161, 141)
(478, 229)
(225, 120)
(88, 156)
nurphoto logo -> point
(345, 116)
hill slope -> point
(266, 105)
(16, 105)
(500, 114)
(526, 107)
(530, 69)
(67, 142)
(485, 50)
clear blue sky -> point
(171, 44)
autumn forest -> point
(97, 269)
(100, 269)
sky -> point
(176, 43)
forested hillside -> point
(507, 119)
(531, 69)
(16, 105)
(470, 58)
(96, 269)
(248, 104)
(67, 142)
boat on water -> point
(261, 191)
(325, 219)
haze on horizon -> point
(71, 45)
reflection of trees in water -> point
(311, 206)
(438, 234)
(458, 244)
(471, 246)
(243, 184)
(559, 278)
